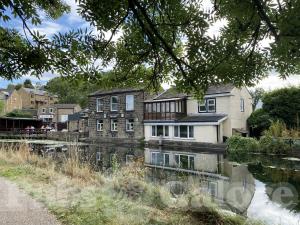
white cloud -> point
(73, 16)
(273, 81)
(49, 28)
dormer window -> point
(207, 105)
(43, 110)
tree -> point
(284, 104)
(19, 113)
(256, 95)
(169, 37)
(258, 122)
(18, 86)
(27, 84)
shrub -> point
(258, 122)
(242, 144)
(268, 144)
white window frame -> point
(165, 159)
(129, 125)
(242, 105)
(188, 132)
(98, 156)
(164, 130)
(43, 110)
(113, 125)
(129, 98)
(50, 110)
(214, 189)
(208, 104)
(99, 125)
(99, 104)
(189, 162)
(114, 104)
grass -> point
(77, 195)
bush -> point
(268, 144)
(242, 144)
(258, 121)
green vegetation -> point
(238, 143)
(277, 139)
(19, 113)
(258, 122)
(79, 196)
(284, 104)
(171, 38)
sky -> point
(73, 21)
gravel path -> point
(17, 208)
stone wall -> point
(121, 135)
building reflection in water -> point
(230, 185)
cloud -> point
(273, 81)
(73, 16)
(49, 28)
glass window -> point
(191, 131)
(176, 131)
(166, 159)
(157, 158)
(202, 106)
(166, 134)
(212, 188)
(99, 125)
(129, 102)
(153, 131)
(114, 103)
(153, 107)
(114, 124)
(129, 124)
(211, 105)
(163, 107)
(43, 110)
(185, 161)
(183, 131)
(167, 106)
(160, 130)
(242, 105)
(50, 110)
(172, 106)
(158, 107)
(99, 105)
(98, 156)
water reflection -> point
(230, 185)
(252, 187)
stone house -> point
(78, 122)
(116, 115)
(35, 98)
(11, 100)
(56, 115)
(178, 117)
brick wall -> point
(121, 135)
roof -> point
(64, 106)
(78, 115)
(75, 116)
(207, 118)
(115, 91)
(203, 118)
(6, 92)
(175, 93)
(19, 118)
(38, 91)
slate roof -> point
(174, 93)
(208, 118)
(65, 106)
(38, 92)
(115, 91)
(203, 118)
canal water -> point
(266, 188)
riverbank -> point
(77, 195)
